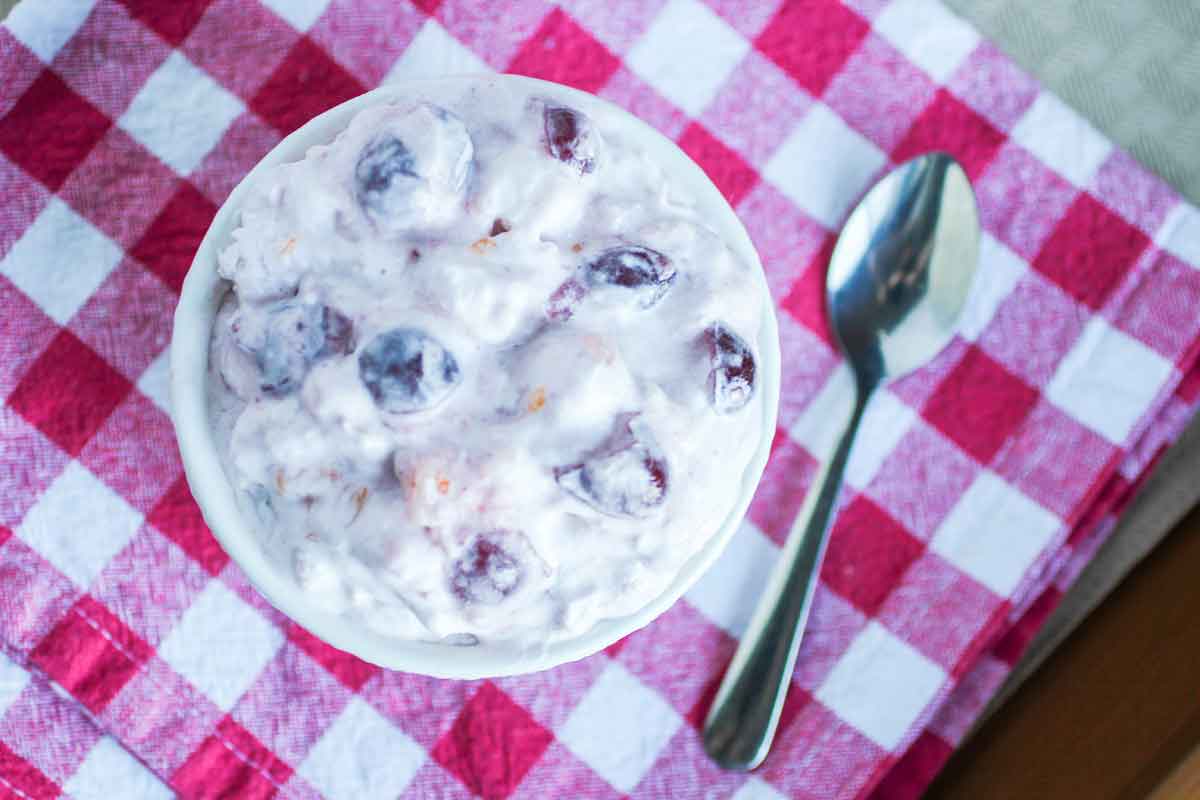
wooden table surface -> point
(1114, 713)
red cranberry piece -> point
(570, 137)
(487, 572)
(626, 476)
(731, 377)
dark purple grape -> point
(487, 572)
(626, 476)
(407, 370)
(383, 167)
(569, 137)
(731, 377)
(295, 336)
(647, 272)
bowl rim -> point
(203, 290)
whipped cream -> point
(484, 373)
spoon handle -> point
(742, 721)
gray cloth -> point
(1130, 66)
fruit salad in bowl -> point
(473, 376)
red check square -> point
(231, 763)
(514, 741)
(172, 21)
(353, 672)
(1090, 251)
(305, 84)
(732, 175)
(806, 299)
(949, 125)
(91, 654)
(812, 39)
(178, 517)
(563, 52)
(170, 244)
(979, 405)
(912, 774)
(790, 470)
(51, 130)
(24, 779)
(69, 392)
(1012, 645)
(867, 553)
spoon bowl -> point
(902, 267)
(897, 283)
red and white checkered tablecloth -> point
(134, 656)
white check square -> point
(434, 52)
(881, 685)
(1062, 139)
(1108, 380)
(728, 592)
(362, 754)
(884, 424)
(933, 37)
(13, 680)
(180, 113)
(994, 533)
(110, 771)
(1000, 270)
(687, 53)
(823, 419)
(1180, 234)
(221, 644)
(756, 789)
(300, 14)
(620, 727)
(45, 26)
(155, 382)
(824, 165)
(79, 524)
(60, 260)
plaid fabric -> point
(136, 656)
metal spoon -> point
(896, 286)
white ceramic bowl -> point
(203, 290)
